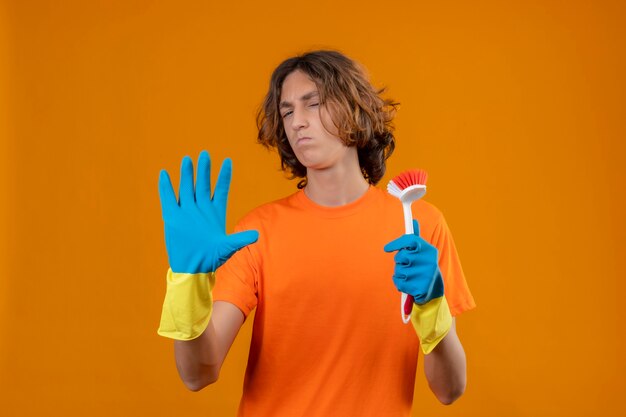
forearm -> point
(198, 360)
(445, 368)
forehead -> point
(296, 85)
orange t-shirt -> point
(328, 339)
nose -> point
(299, 119)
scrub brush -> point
(409, 186)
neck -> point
(335, 186)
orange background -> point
(515, 108)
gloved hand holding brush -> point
(197, 244)
(417, 274)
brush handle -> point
(408, 218)
(406, 301)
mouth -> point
(303, 139)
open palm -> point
(195, 225)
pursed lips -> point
(303, 139)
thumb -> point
(166, 194)
(242, 239)
(403, 242)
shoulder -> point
(428, 211)
(430, 219)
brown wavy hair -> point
(362, 118)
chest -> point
(329, 259)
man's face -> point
(305, 122)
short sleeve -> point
(456, 290)
(237, 280)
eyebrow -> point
(305, 97)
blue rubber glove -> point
(416, 272)
(195, 226)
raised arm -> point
(197, 244)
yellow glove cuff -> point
(432, 322)
(187, 306)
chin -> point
(312, 163)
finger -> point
(203, 179)
(185, 190)
(222, 186)
(166, 195)
(402, 258)
(400, 282)
(416, 227)
(242, 239)
(400, 277)
(403, 242)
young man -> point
(318, 265)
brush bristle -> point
(410, 177)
